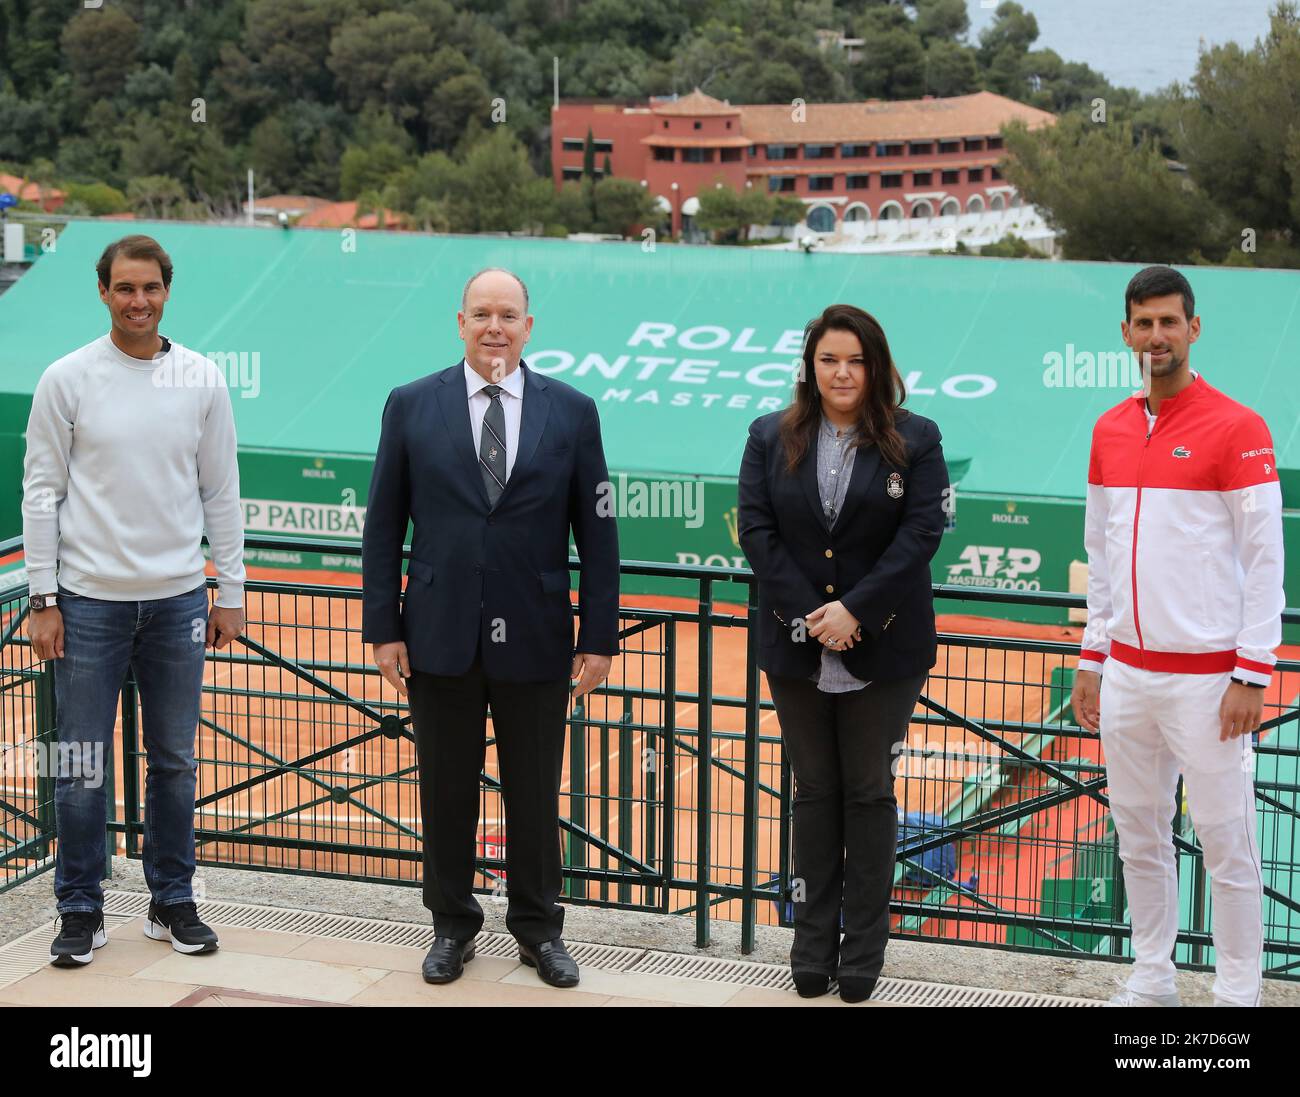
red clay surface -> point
(271, 719)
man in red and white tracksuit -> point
(1184, 539)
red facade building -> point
(847, 161)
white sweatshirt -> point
(129, 461)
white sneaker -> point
(1127, 997)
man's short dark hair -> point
(1158, 282)
(137, 246)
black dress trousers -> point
(842, 748)
(449, 714)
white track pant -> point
(1153, 726)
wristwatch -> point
(43, 601)
(1243, 682)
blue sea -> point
(1143, 44)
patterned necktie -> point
(492, 446)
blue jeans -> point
(163, 642)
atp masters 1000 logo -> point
(997, 567)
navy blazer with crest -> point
(875, 560)
(499, 572)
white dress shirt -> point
(512, 404)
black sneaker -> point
(179, 923)
(80, 933)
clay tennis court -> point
(616, 778)
(292, 753)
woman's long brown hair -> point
(880, 410)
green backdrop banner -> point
(681, 347)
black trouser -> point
(449, 718)
(841, 748)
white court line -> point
(638, 732)
(728, 744)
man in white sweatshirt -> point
(130, 459)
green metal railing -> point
(676, 797)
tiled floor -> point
(257, 967)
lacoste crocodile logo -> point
(1182, 451)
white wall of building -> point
(920, 234)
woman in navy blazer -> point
(842, 500)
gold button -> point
(830, 589)
(829, 554)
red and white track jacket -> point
(1184, 537)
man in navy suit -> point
(493, 464)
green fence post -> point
(749, 855)
(649, 763)
(669, 761)
(1117, 892)
(577, 850)
(784, 882)
(603, 797)
(625, 772)
(704, 767)
(1198, 882)
(1176, 828)
(47, 737)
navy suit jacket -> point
(876, 558)
(498, 572)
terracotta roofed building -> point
(847, 161)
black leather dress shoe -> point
(447, 959)
(811, 984)
(552, 961)
(855, 989)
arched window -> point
(821, 219)
(891, 211)
(857, 212)
(997, 202)
(923, 209)
(975, 205)
(950, 208)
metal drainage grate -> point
(911, 993)
(895, 991)
(283, 920)
(371, 930)
(30, 953)
(741, 972)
